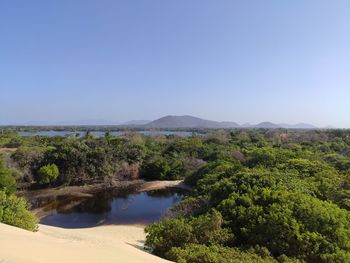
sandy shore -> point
(155, 185)
(51, 244)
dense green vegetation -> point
(13, 210)
(7, 180)
(277, 196)
(258, 195)
(47, 174)
(89, 159)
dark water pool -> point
(117, 207)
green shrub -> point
(167, 234)
(15, 211)
(179, 232)
(218, 167)
(7, 181)
(195, 253)
(47, 174)
(276, 210)
(294, 224)
(207, 229)
(155, 168)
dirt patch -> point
(7, 150)
(155, 185)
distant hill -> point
(270, 125)
(136, 122)
(246, 125)
(266, 125)
(186, 121)
(90, 122)
(297, 126)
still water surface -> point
(117, 207)
(99, 134)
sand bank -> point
(155, 185)
(51, 244)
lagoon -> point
(118, 206)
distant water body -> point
(100, 134)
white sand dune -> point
(52, 244)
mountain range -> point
(176, 122)
(186, 121)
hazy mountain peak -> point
(300, 125)
(136, 122)
(266, 124)
(187, 121)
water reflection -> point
(116, 207)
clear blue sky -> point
(117, 60)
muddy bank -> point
(46, 201)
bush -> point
(177, 169)
(15, 211)
(155, 168)
(179, 232)
(207, 229)
(294, 224)
(262, 156)
(217, 167)
(47, 174)
(167, 234)
(195, 253)
(7, 181)
(268, 209)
